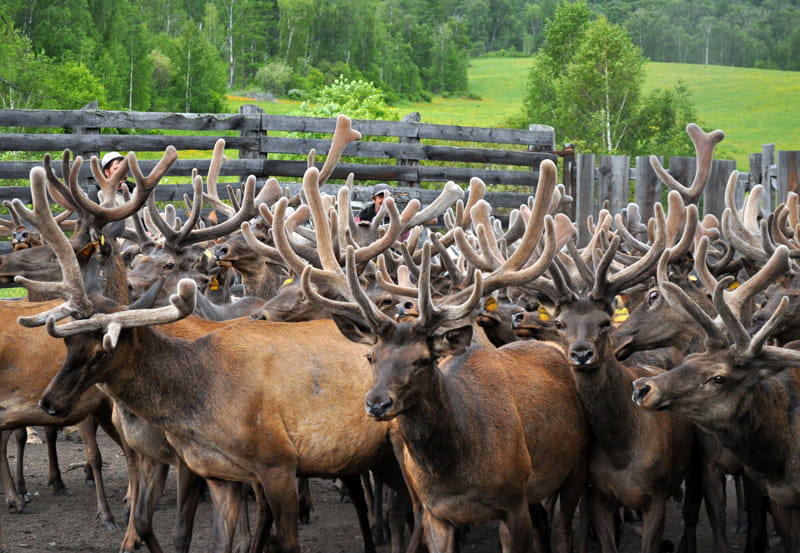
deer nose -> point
(379, 407)
(517, 318)
(640, 391)
(582, 355)
(47, 407)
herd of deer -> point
(478, 373)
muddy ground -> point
(66, 523)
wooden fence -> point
(405, 153)
(411, 152)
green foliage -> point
(274, 77)
(359, 99)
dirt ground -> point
(67, 523)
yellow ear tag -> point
(208, 253)
(288, 281)
(102, 239)
(490, 304)
(733, 285)
(214, 284)
(544, 314)
(620, 315)
(89, 249)
(693, 278)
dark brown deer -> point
(744, 392)
(635, 461)
(462, 414)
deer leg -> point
(13, 499)
(306, 503)
(714, 495)
(601, 513)
(653, 525)
(281, 492)
(690, 510)
(756, 505)
(131, 540)
(21, 438)
(440, 535)
(785, 525)
(152, 476)
(264, 520)
(226, 497)
(88, 430)
(356, 492)
(569, 496)
(190, 490)
(54, 479)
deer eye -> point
(559, 325)
(369, 358)
(718, 379)
(653, 297)
(169, 266)
(99, 355)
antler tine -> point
(603, 224)
(704, 144)
(686, 305)
(377, 320)
(643, 268)
(319, 215)
(346, 308)
(108, 185)
(477, 192)
(503, 277)
(629, 238)
(71, 286)
(467, 250)
(144, 187)
(448, 196)
(765, 332)
(676, 216)
(181, 305)
(431, 316)
(58, 190)
(343, 135)
(456, 278)
(741, 339)
(218, 159)
(246, 211)
(687, 238)
(384, 280)
(269, 193)
(777, 265)
(544, 190)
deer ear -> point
(353, 331)
(453, 342)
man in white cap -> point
(380, 192)
(109, 164)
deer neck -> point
(430, 428)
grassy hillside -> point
(753, 106)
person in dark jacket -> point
(379, 193)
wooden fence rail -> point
(406, 153)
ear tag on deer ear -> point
(214, 284)
(620, 315)
(102, 239)
(544, 314)
(733, 285)
(207, 252)
(89, 249)
(490, 304)
(288, 281)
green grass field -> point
(753, 106)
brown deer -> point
(462, 416)
(741, 390)
(271, 449)
(635, 461)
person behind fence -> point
(109, 164)
(380, 192)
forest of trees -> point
(183, 55)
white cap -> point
(109, 157)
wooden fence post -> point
(767, 176)
(252, 153)
(788, 166)
(541, 147)
(410, 118)
(649, 189)
(614, 181)
(584, 195)
(714, 194)
(87, 183)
